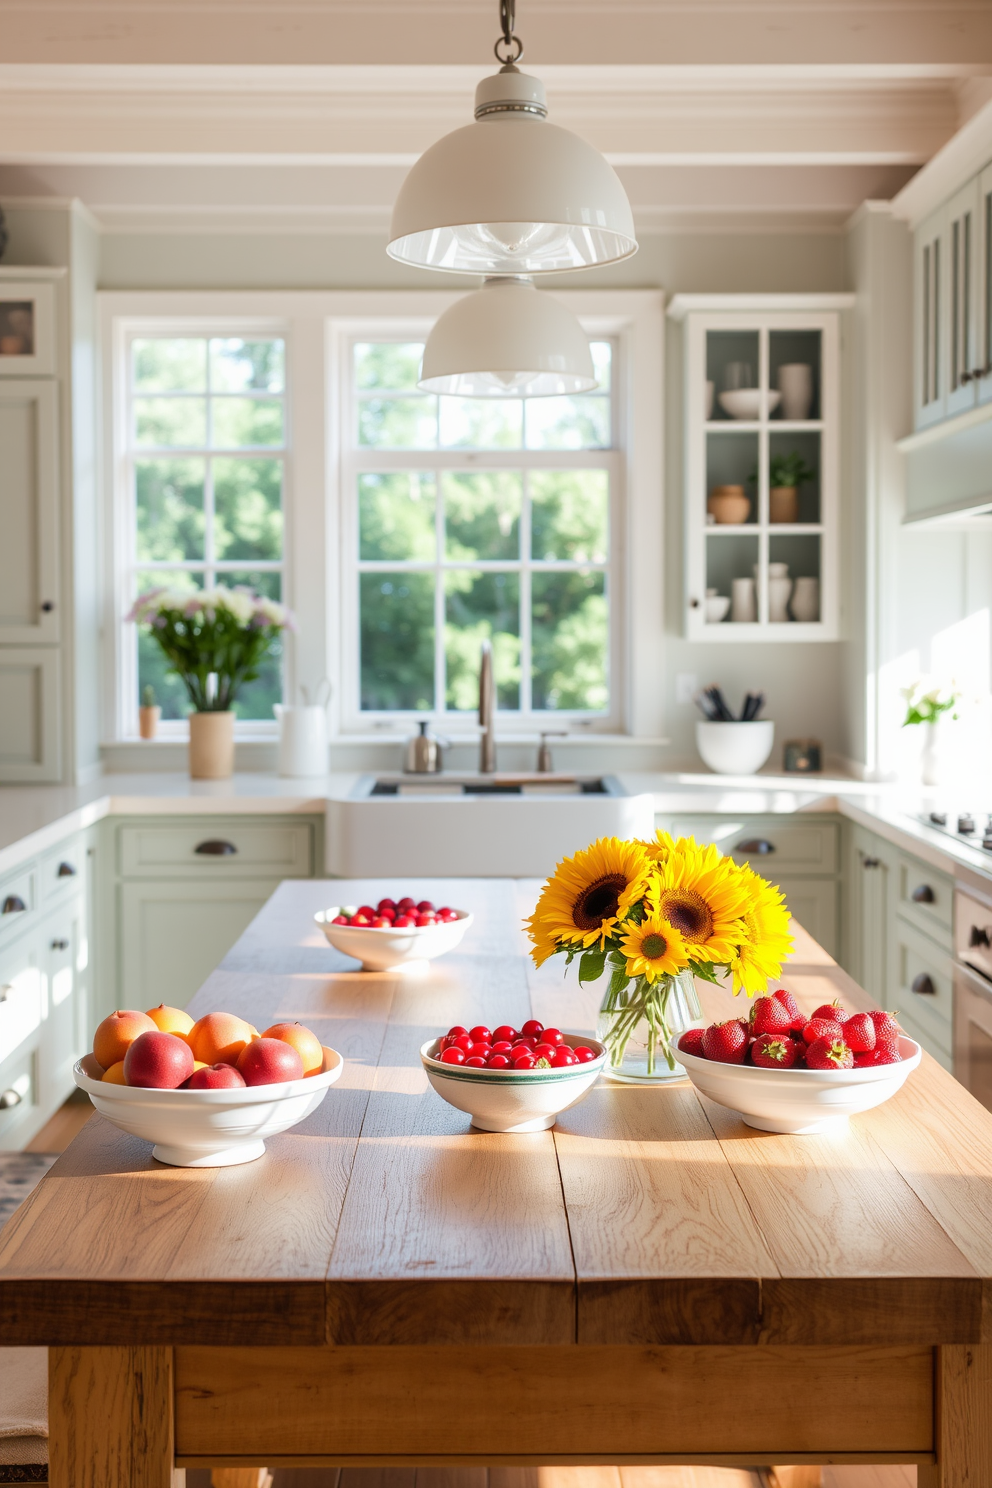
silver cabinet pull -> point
(215, 847)
(759, 845)
(923, 985)
(60, 945)
(9, 1098)
(923, 894)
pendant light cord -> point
(514, 47)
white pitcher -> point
(302, 740)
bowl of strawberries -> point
(786, 1072)
(398, 935)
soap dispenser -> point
(423, 752)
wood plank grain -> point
(110, 1418)
(688, 1477)
(437, 1402)
(964, 1419)
(450, 1234)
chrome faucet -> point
(487, 711)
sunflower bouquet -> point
(655, 915)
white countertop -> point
(34, 818)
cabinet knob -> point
(759, 845)
(6, 990)
(66, 870)
(871, 862)
(13, 904)
(215, 847)
(47, 606)
(923, 894)
(9, 1098)
(60, 945)
(923, 985)
(979, 937)
(694, 604)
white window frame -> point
(318, 327)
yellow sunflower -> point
(769, 943)
(704, 896)
(663, 845)
(586, 896)
(654, 949)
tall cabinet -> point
(31, 620)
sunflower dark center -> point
(653, 945)
(599, 902)
(688, 912)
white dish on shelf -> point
(735, 748)
(717, 606)
(745, 403)
(514, 1100)
(210, 1128)
(799, 1101)
(407, 949)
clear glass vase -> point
(640, 1027)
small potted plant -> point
(148, 714)
(786, 473)
(214, 640)
(930, 703)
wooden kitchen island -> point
(650, 1282)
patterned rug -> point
(19, 1172)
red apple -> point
(266, 1061)
(215, 1077)
(158, 1061)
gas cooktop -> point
(963, 826)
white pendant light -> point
(511, 193)
(507, 340)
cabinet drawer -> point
(20, 995)
(18, 1098)
(17, 902)
(921, 985)
(771, 845)
(62, 870)
(924, 1036)
(925, 898)
(813, 902)
(212, 849)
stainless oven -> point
(973, 992)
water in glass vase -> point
(641, 1025)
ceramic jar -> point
(211, 746)
(806, 600)
(783, 504)
(728, 505)
(779, 593)
(743, 608)
(795, 382)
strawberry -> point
(831, 1011)
(691, 1042)
(820, 1028)
(726, 1042)
(884, 1054)
(829, 1054)
(788, 1001)
(773, 1051)
(859, 1033)
(797, 1025)
(886, 1025)
(768, 1015)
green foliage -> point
(478, 607)
(482, 514)
(396, 516)
(148, 697)
(248, 520)
(789, 470)
(169, 510)
(592, 965)
(569, 516)
(397, 641)
(569, 641)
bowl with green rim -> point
(514, 1100)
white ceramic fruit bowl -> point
(735, 748)
(514, 1100)
(799, 1101)
(745, 403)
(210, 1128)
(406, 950)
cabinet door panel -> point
(66, 1036)
(29, 556)
(21, 1001)
(962, 299)
(930, 320)
(813, 902)
(985, 285)
(29, 713)
(173, 935)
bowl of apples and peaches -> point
(208, 1093)
(399, 935)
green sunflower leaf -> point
(592, 966)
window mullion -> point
(440, 667)
(525, 594)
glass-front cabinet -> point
(761, 465)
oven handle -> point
(975, 980)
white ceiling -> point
(306, 113)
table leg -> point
(111, 1418)
(964, 1419)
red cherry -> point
(381, 923)
(386, 914)
(366, 909)
(340, 920)
(463, 1041)
(476, 1061)
(360, 919)
(584, 1054)
(525, 1062)
(425, 906)
(447, 914)
(545, 1051)
(453, 1056)
(563, 1058)
(502, 1046)
(406, 903)
(553, 1036)
(504, 1031)
(403, 922)
(385, 904)
(480, 1034)
(532, 1029)
(425, 919)
(480, 1048)
(520, 1048)
(456, 1030)
(497, 1061)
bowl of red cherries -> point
(400, 934)
(512, 1079)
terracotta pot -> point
(211, 746)
(783, 504)
(728, 504)
(12, 346)
(148, 721)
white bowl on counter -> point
(800, 1102)
(745, 403)
(514, 1100)
(407, 950)
(735, 748)
(210, 1128)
